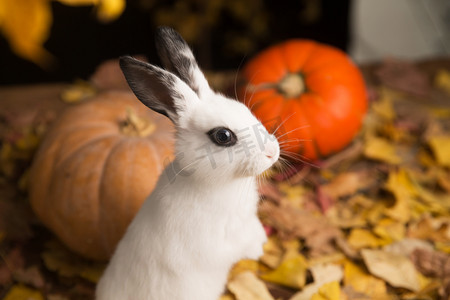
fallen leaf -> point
(378, 148)
(347, 184)
(244, 265)
(79, 91)
(389, 230)
(362, 238)
(246, 286)
(364, 283)
(395, 269)
(329, 291)
(272, 252)
(20, 292)
(407, 246)
(291, 272)
(58, 259)
(322, 274)
(30, 276)
(399, 184)
(442, 80)
(431, 263)
(440, 145)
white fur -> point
(201, 217)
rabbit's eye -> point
(222, 136)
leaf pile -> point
(370, 222)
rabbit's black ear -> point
(156, 88)
(177, 57)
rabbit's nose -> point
(272, 151)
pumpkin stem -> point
(134, 125)
(292, 85)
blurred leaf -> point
(291, 272)
(246, 286)
(381, 149)
(79, 91)
(322, 274)
(59, 259)
(329, 291)
(20, 292)
(441, 149)
(26, 25)
(363, 282)
(442, 80)
(107, 10)
(395, 269)
(361, 238)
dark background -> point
(80, 42)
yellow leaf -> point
(246, 286)
(329, 291)
(381, 149)
(272, 252)
(362, 282)
(108, 10)
(440, 145)
(395, 269)
(442, 80)
(383, 107)
(322, 274)
(227, 297)
(404, 192)
(242, 266)
(291, 272)
(440, 246)
(390, 230)
(20, 292)
(80, 90)
(26, 25)
(361, 238)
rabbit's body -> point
(202, 216)
(181, 246)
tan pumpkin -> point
(94, 169)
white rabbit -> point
(202, 216)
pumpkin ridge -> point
(75, 129)
(104, 239)
(85, 145)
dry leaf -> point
(244, 265)
(395, 269)
(26, 25)
(329, 291)
(322, 274)
(441, 149)
(400, 186)
(246, 286)
(442, 80)
(59, 259)
(20, 292)
(381, 149)
(361, 238)
(347, 184)
(389, 230)
(362, 282)
(291, 272)
(407, 246)
(431, 263)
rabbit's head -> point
(217, 138)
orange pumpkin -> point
(313, 92)
(94, 169)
